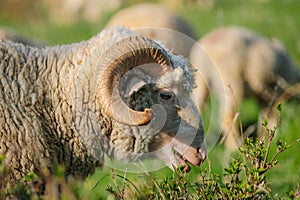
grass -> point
(274, 18)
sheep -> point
(15, 37)
(159, 23)
(114, 94)
(179, 3)
(234, 62)
(69, 11)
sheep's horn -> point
(123, 56)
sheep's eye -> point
(166, 95)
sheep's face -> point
(175, 133)
(152, 94)
(284, 65)
(145, 92)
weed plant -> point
(245, 177)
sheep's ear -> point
(133, 85)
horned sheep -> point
(159, 23)
(115, 94)
(235, 62)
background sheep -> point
(15, 37)
(70, 11)
(60, 106)
(236, 63)
(158, 23)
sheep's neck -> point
(72, 94)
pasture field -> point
(270, 18)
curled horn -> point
(125, 55)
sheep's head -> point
(147, 90)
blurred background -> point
(65, 21)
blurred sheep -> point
(159, 23)
(235, 63)
(13, 36)
(199, 3)
(68, 11)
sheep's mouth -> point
(191, 156)
(181, 162)
(177, 153)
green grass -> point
(274, 18)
